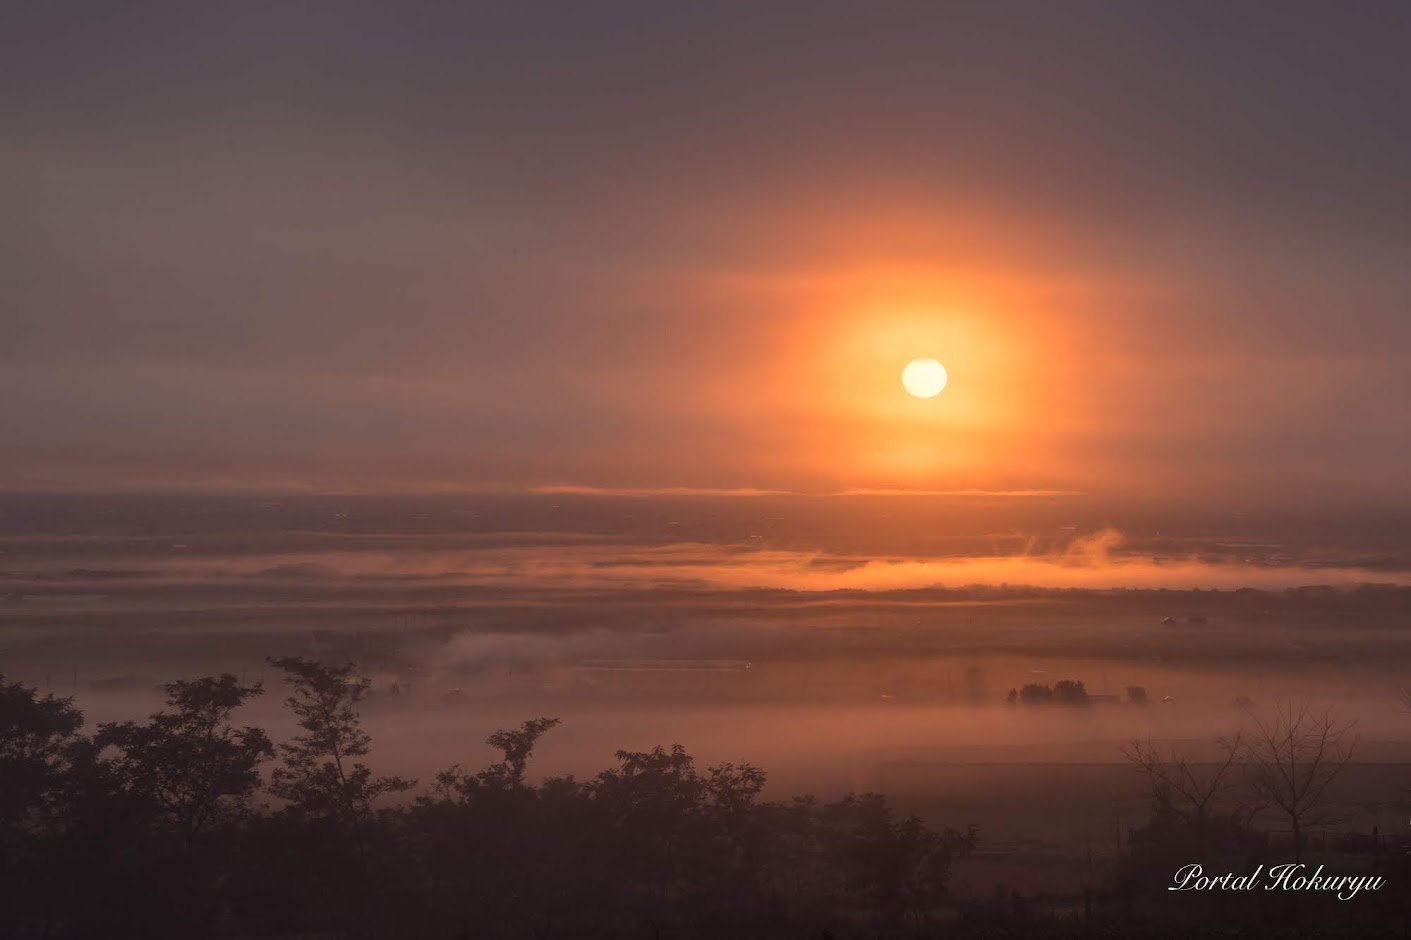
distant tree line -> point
(157, 829)
(1067, 692)
(1063, 692)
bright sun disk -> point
(924, 378)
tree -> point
(35, 735)
(676, 832)
(1035, 694)
(39, 745)
(1136, 694)
(321, 775)
(1194, 815)
(1293, 758)
(1183, 789)
(506, 774)
(191, 764)
(652, 800)
(733, 787)
(895, 867)
(516, 746)
(1070, 692)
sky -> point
(1160, 248)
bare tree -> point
(1293, 758)
(1189, 790)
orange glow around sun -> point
(824, 382)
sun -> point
(924, 378)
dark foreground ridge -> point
(170, 828)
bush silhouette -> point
(152, 829)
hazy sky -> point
(1160, 247)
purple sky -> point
(396, 246)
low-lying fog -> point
(851, 650)
(820, 707)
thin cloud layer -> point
(1095, 562)
(274, 248)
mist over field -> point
(843, 643)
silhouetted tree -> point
(651, 800)
(146, 829)
(328, 840)
(35, 734)
(894, 867)
(1035, 694)
(1292, 760)
(38, 744)
(1190, 792)
(484, 834)
(191, 764)
(1136, 694)
(1070, 692)
(321, 775)
(516, 746)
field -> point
(635, 633)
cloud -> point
(542, 568)
(969, 492)
(650, 491)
